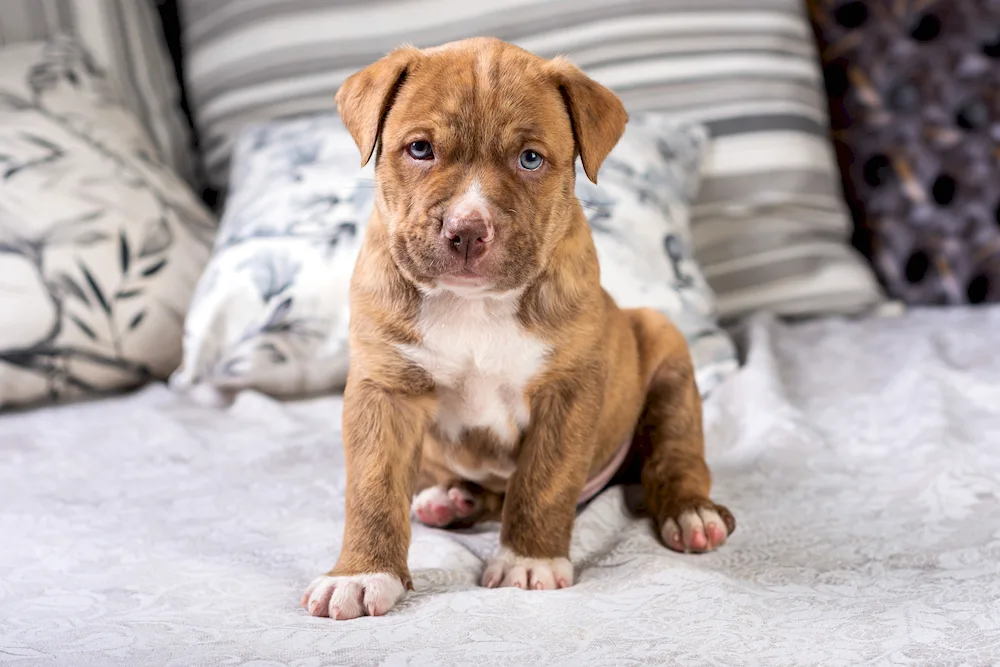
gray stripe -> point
(695, 96)
(125, 65)
(793, 208)
(39, 24)
(64, 16)
(747, 188)
(196, 11)
(497, 21)
(784, 122)
(821, 302)
(22, 21)
(667, 54)
(719, 79)
(760, 238)
(791, 269)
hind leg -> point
(675, 478)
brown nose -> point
(468, 238)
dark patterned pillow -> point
(915, 102)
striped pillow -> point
(125, 38)
(770, 227)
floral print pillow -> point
(271, 311)
(101, 245)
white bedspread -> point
(862, 461)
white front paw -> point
(343, 598)
(507, 569)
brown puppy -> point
(486, 359)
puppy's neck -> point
(457, 294)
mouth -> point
(463, 280)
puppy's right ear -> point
(364, 99)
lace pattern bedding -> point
(861, 460)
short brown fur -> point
(610, 375)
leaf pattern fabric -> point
(100, 243)
(271, 312)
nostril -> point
(468, 234)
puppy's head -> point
(476, 148)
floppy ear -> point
(597, 114)
(364, 99)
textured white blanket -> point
(862, 461)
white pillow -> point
(271, 311)
(100, 244)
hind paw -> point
(441, 506)
(697, 527)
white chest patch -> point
(481, 360)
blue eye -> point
(531, 160)
(420, 150)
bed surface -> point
(862, 461)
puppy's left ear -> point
(365, 98)
(598, 116)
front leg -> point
(540, 504)
(383, 432)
